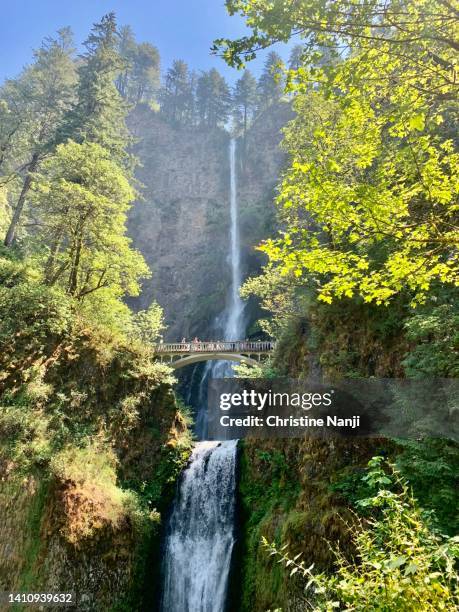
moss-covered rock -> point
(92, 440)
(288, 495)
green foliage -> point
(245, 100)
(4, 212)
(98, 115)
(368, 203)
(263, 370)
(435, 333)
(33, 105)
(213, 99)
(331, 24)
(266, 491)
(177, 95)
(138, 80)
(33, 311)
(43, 332)
(173, 460)
(83, 198)
(106, 311)
(277, 296)
(271, 83)
(90, 472)
(430, 467)
(12, 269)
(148, 324)
(32, 111)
(281, 489)
(401, 563)
(91, 463)
(190, 100)
(33, 535)
(296, 57)
(342, 176)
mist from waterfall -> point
(200, 536)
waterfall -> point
(200, 536)
(200, 539)
(234, 328)
(233, 316)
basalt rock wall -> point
(181, 221)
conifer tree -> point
(213, 99)
(271, 84)
(145, 73)
(138, 81)
(32, 109)
(245, 100)
(126, 48)
(176, 96)
(99, 113)
(296, 56)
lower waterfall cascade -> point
(201, 532)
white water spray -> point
(201, 538)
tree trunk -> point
(11, 233)
(73, 279)
(50, 275)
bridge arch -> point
(198, 357)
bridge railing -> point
(239, 346)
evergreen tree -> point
(213, 99)
(176, 96)
(271, 82)
(145, 73)
(32, 110)
(203, 88)
(99, 114)
(296, 57)
(10, 126)
(127, 49)
(139, 80)
(245, 99)
(193, 112)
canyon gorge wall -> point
(180, 223)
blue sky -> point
(181, 29)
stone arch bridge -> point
(181, 354)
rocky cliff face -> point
(89, 454)
(261, 161)
(36, 558)
(181, 223)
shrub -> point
(401, 564)
(33, 311)
(436, 337)
(92, 500)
